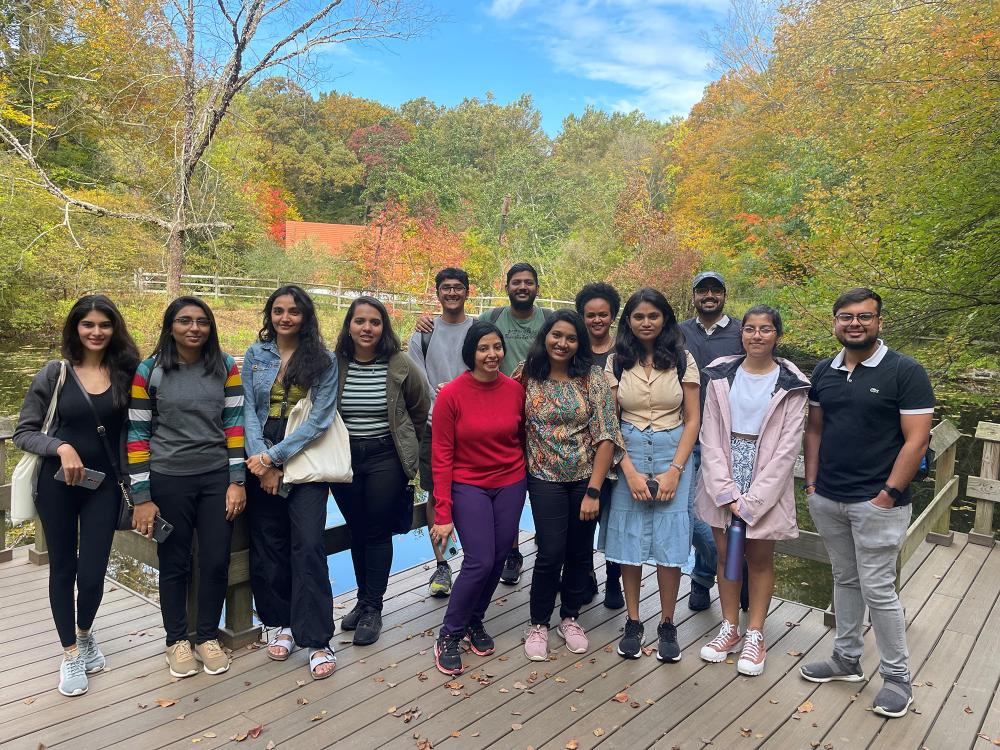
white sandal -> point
(282, 639)
(318, 658)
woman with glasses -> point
(185, 455)
(750, 437)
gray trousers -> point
(863, 541)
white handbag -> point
(24, 480)
(325, 459)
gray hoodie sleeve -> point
(28, 435)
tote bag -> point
(325, 459)
(24, 480)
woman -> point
(655, 382)
(185, 454)
(599, 304)
(572, 433)
(382, 396)
(754, 413)
(477, 457)
(288, 570)
(97, 345)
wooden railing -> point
(336, 296)
(932, 525)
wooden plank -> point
(944, 435)
(809, 546)
(928, 519)
(990, 469)
(982, 488)
(988, 431)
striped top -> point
(199, 424)
(363, 403)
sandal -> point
(318, 658)
(282, 639)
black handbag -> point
(127, 506)
(402, 522)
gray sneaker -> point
(834, 668)
(440, 583)
(90, 653)
(73, 675)
(894, 698)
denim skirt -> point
(649, 531)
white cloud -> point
(504, 8)
(652, 48)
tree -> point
(211, 52)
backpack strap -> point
(155, 378)
(425, 342)
(494, 315)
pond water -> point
(799, 580)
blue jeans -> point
(706, 557)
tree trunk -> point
(175, 260)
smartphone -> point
(450, 548)
(92, 478)
(653, 486)
(161, 529)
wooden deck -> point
(390, 695)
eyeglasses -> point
(763, 330)
(185, 322)
(863, 318)
(702, 291)
(446, 288)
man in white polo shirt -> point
(870, 412)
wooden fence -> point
(336, 296)
(933, 525)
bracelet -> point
(807, 486)
(261, 458)
(680, 469)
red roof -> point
(331, 237)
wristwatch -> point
(593, 493)
(239, 483)
(892, 492)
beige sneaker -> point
(181, 660)
(213, 659)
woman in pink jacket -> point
(750, 437)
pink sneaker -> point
(725, 643)
(572, 633)
(536, 643)
(751, 660)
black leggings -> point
(190, 503)
(369, 504)
(63, 510)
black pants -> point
(63, 510)
(288, 572)
(565, 545)
(369, 504)
(193, 503)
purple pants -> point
(486, 521)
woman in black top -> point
(97, 345)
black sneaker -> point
(440, 583)
(350, 620)
(448, 654)
(480, 641)
(700, 598)
(667, 649)
(369, 628)
(630, 646)
(511, 573)
(613, 598)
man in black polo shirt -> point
(710, 334)
(869, 424)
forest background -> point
(845, 142)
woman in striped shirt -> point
(185, 456)
(383, 399)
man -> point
(519, 322)
(439, 355)
(709, 335)
(868, 428)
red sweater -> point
(477, 437)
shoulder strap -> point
(50, 414)
(547, 314)
(109, 454)
(425, 341)
(494, 315)
(155, 378)
(616, 366)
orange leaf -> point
(805, 707)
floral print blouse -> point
(565, 421)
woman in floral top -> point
(572, 438)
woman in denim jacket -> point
(288, 569)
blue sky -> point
(614, 54)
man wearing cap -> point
(709, 335)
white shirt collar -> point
(720, 323)
(872, 361)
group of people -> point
(662, 433)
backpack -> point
(494, 314)
(155, 378)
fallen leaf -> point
(795, 653)
(238, 737)
(255, 731)
(515, 727)
(609, 648)
(300, 683)
(968, 709)
(650, 701)
(772, 701)
(805, 707)
(456, 733)
(474, 734)
(195, 740)
(454, 685)
(391, 710)
(572, 709)
(572, 745)
(210, 735)
(317, 717)
(180, 717)
(790, 624)
(560, 679)
(620, 697)
(28, 701)
(520, 685)
(164, 702)
(598, 732)
(634, 704)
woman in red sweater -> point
(477, 457)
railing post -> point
(986, 488)
(239, 629)
(38, 553)
(6, 553)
